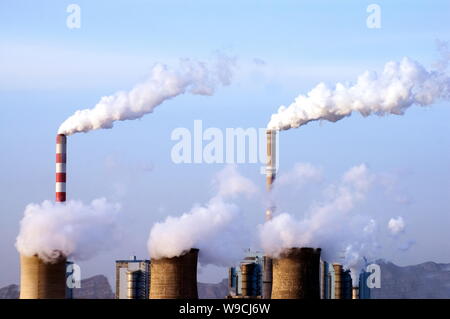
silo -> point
(347, 285)
(40, 280)
(136, 284)
(355, 293)
(296, 274)
(174, 278)
(249, 280)
(338, 288)
(267, 277)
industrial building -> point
(246, 280)
(132, 279)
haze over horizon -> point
(49, 71)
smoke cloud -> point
(211, 227)
(330, 224)
(163, 83)
(396, 225)
(72, 229)
(399, 86)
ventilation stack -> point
(174, 278)
(38, 279)
(338, 287)
(296, 274)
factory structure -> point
(297, 273)
(132, 279)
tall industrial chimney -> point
(40, 280)
(270, 168)
(296, 274)
(61, 159)
(174, 278)
(338, 285)
(270, 177)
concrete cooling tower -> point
(174, 278)
(296, 274)
(39, 280)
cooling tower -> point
(338, 288)
(174, 278)
(39, 280)
(296, 274)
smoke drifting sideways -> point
(330, 224)
(71, 229)
(399, 86)
(214, 227)
(164, 83)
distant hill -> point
(424, 281)
(428, 280)
(96, 287)
(213, 291)
(9, 292)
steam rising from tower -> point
(164, 83)
(399, 86)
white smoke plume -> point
(323, 220)
(72, 229)
(212, 227)
(331, 224)
(300, 174)
(396, 225)
(163, 83)
(399, 86)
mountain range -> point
(428, 280)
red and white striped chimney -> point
(61, 147)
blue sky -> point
(48, 71)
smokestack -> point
(296, 274)
(39, 280)
(338, 288)
(270, 177)
(271, 161)
(355, 293)
(61, 159)
(174, 278)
